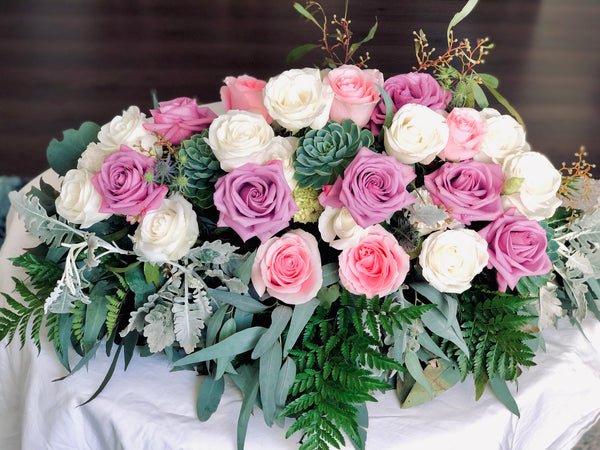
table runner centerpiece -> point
(330, 234)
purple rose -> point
(373, 188)
(180, 118)
(517, 248)
(469, 190)
(123, 186)
(414, 87)
(255, 200)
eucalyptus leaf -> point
(243, 302)
(268, 371)
(503, 394)
(95, 312)
(306, 13)
(279, 320)
(389, 108)
(357, 45)
(489, 79)
(459, 16)
(286, 378)
(240, 342)
(504, 103)
(209, 396)
(330, 274)
(300, 317)
(411, 360)
(299, 52)
(479, 95)
(250, 392)
(214, 324)
(63, 155)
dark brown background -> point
(66, 61)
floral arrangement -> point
(331, 234)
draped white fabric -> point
(150, 407)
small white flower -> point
(297, 98)
(417, 134)
(239, 137)
(168, 233)
(505, 136)
(536, 196)
(450, 259)
(337, 227)
(79, 202)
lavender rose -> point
(373, 188)
(470, 190)
(516, 247)
(414, 87)
(255, 200)
(123, 186)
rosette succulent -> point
(200, 168)
(325, 153)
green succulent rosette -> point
(200, 168)
(324, 154)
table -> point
(151, 407)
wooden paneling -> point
(66, 61)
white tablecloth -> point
(150, 407)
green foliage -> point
(493, 325)
(63, 155)
(322, 155)
(115, 303)
(43, 276)
(200, 168)
(341, 347)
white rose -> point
(337, 222)
(239, 137)
(79, 202)
(283, 148)
(505, 136)
(450, 259)
(297, 98)
(536, 197)
(417, 134)
(129, 130)
(168, 233)
(92, 158)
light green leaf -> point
(512, 185)
(389, 107)
(279, 320)
(240, 342)
(152, 273)
(300, 317)
(489, 79)
(500, 388)
(504, 103)
(357, 45)
(411, 360)
(479, 95)
(286, 378)
(459, 16)
(243, 302)
(268, 370)
(299, 52)
(209, 396)
(306, 13)
(441, 377)
(425, 340)
(63, 155)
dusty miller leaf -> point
(189, 319)
(159, 328)
(548, 306)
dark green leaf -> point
(306, 13)
(505, 103)
(108, 376)
(95, 313)
(209, 396)
(500, 388)
(63, 155)
(299, 52)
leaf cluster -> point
(493, 325)
(341, 349)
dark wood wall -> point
(66, 61)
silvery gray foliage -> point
(579, 249)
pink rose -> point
(469, 190)
(378, 265)
(180, 118)
(255, 200)
(517, 248)
(355, 93)
(373, 188)
(288, 267)
(468, 128)
(414, 87)
(123, 185)
(244, 93)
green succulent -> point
(200, 169)
(324, 154)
